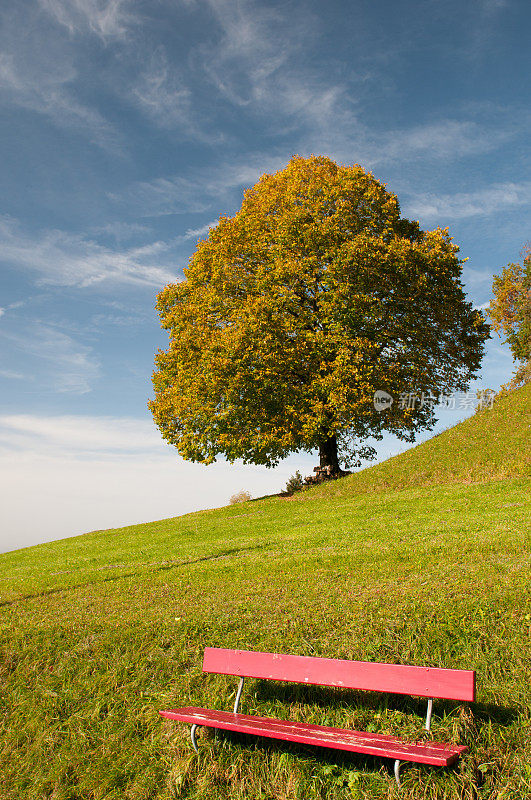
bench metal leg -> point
(428, 713)
(238, 695)
(192, 736)
(397, 771)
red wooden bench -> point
(429, 682)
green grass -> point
(491, 445)
(103, 630)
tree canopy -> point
(292, 314)
(510, 312)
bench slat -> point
(448, 684)
(373, 744)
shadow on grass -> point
(326, 697)
(324, 756)
(143, 567)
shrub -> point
(240, 497)
(295, 484)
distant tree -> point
(297, 309)
(510, 313)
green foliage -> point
(521, 377)
(316, 294)
(294, 484)
(510, 312)
(99, 632)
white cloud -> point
(491, 6)
(162, 196)
(65, 366)
(67, 259)
(97, 321)
(86, 473)
(446, 140)
(10, 306)
(197, 233)
(258, 65)
(443, 139)
(73, 496)
(256, 62)
(77, 436)
(485, 201)
(108, 19)
(485, 29)
(39, 68)
(254, 45)
(41, 84)
(122, 231)
(478, 279)
(11, 374)
(176, 194)
(160, 92)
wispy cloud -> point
(444, 140)
(160, 91)
(67, 259)
(196, 233)
(106, 18)
(210, 187)
(44, 86)
(78, 435)
(477, 278)
(258, 65)
(10, 307)
(486, 26)
(162, 196)
(66, 365)
(447, 138)
(253, 46)
(484, 202)
(11, 374)
(177, 194)
(122, 231)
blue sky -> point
(128, 127)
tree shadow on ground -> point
(323, 756)
(137, 569)
(329, 697)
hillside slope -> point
(494, 444)
(100, 631)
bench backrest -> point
(449, 684)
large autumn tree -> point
(296, 310)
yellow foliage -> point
(510, 309)
(296, 310)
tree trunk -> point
(328, 461)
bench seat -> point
(374, 744)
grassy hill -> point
(491, 445)
(423, 559)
